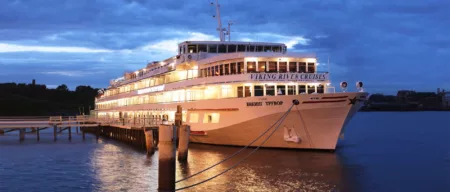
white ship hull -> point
(313, 124)
(316, 123)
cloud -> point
(4, 48)
(171, 45)
(401, 42)
(73, 73)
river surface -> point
(382, 151)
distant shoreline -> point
(435, 110)
(396, 108)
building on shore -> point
(445, 98)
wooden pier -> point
(139, 132)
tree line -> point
(38, 100)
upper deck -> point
(202, 52)
(188, 47)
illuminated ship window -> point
(320, 89)
(261, 66)
(302, 67)
(251, 67)
(270, 90)
(192, 48)
(283, 67)
(301, 89)
(211, 118)
(193, 118)
(259, 90)
(311, 68)
(247, 91)
(227, 69)
(281, 90)
(240, 67)
(291, 89)
(311, 89)
(272, 67)
(240, 91)
(233, 68)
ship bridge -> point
(188, 47)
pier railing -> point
(81, 120)
(132, 122)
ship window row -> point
(229, 48)
(154, 81)
(274, 90)
(217, 70)
(257, 67)
(145, 117)
(207, 118)
(141, 117)
(216, 92)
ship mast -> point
(229, 30)
(219, 22)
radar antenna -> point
(219, 27)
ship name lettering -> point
(289, 77)
(254, 104)
(271, 103)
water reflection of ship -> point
(265, 170)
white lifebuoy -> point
(359, 84)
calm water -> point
(381, 152)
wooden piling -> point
(149, 142)
(21, 134)
(38, 137)
(166, 150)
(55, 130)
(77, 129)
(2, 132)
(84, 134)
(70, 133)
(97, 131)
(183, 142)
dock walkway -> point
(82, 122)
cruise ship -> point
(231, 92)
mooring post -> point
(166, 151)
(70, 133)
(98, 132)
(37, 134)
(55, 130)
(183, 142)
(149, 141)
(21, 134)
(84, 133)
(2, 132)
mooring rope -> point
(242, 160)
(311, 145)
(237, 152)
